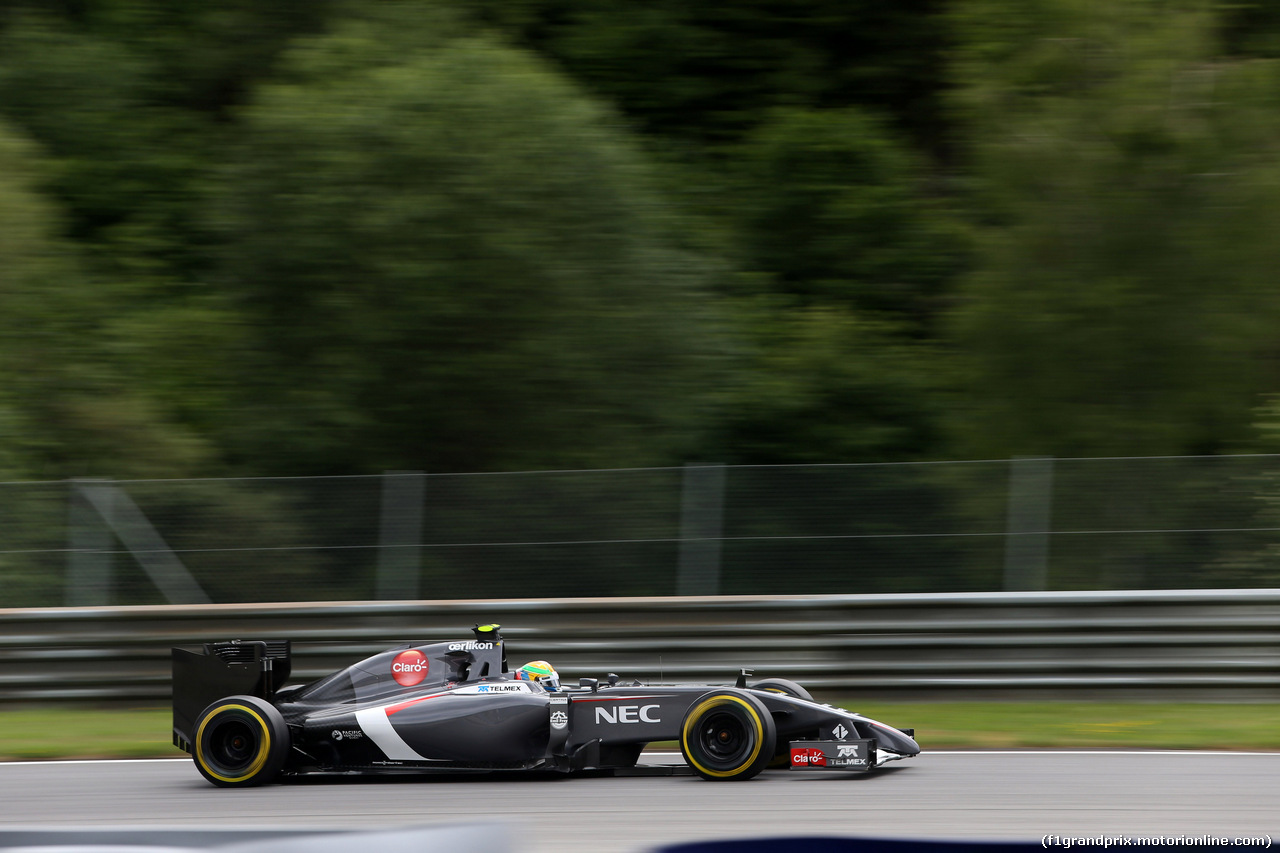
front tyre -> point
(782, 753)
(240, 741)
(783, 686)
(727, 734)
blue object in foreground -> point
(817, 844)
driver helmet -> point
(539, 672)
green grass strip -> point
(63, 732)
(1083, 724)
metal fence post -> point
(90, 576)
(400, 535)
(1026, 550)
(701, 523)
(131, 526)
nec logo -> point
(628, 714)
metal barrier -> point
(1195, 645)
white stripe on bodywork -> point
(378, 727)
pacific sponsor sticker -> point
(559, 719)
(346, 734)
(409, 668)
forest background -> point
(322, 237)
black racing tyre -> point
(240, 741)
(727, 734)
(782, 685)
(782, 752)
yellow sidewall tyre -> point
(240, 741)
(727, 735)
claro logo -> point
(813, 757)
(409, 668)
(628, 714)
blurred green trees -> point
(337, 237)
(67, 402)
(453, 258)
(1125, 300)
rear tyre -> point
(240, 741)
(727, 734)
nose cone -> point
(894, 740)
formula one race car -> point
(457, 707)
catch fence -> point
(1024, 524)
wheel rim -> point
(233, 745)
(724, 739)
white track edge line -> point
(925, 754)
(1096, 751)
(61, 761)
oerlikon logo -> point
(409, 667)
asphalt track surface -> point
(963, 795)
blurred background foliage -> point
(329, 237)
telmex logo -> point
(409, 668)
(628, 714)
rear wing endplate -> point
(253, 667)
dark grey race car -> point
(456, 707)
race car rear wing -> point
(253, 667)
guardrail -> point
(1196, 645)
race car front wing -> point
(851, 754)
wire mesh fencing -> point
(1023, 524)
